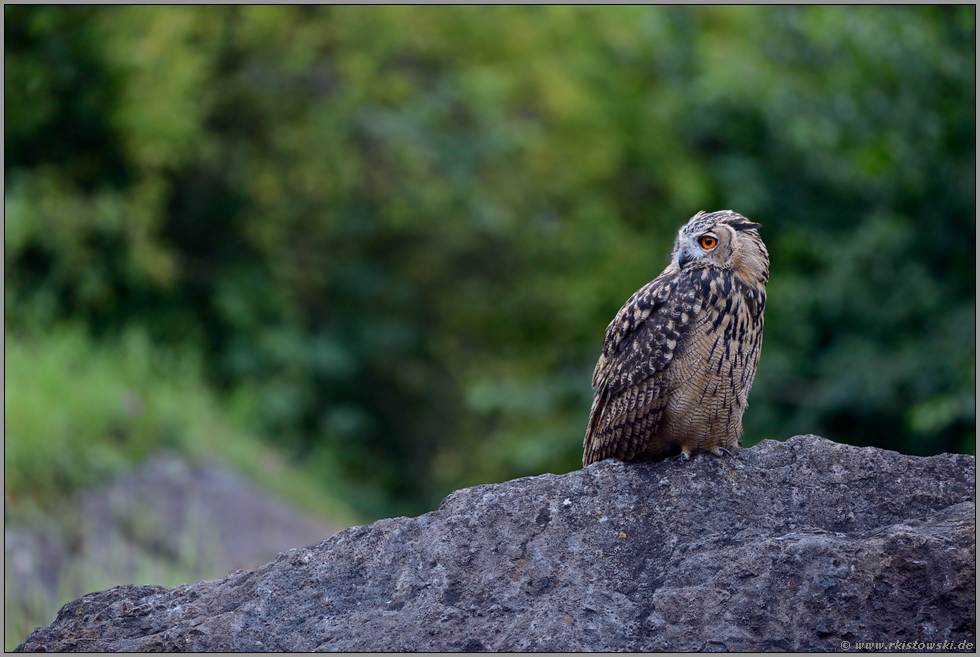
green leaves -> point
(401, 231)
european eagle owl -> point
(679, 359)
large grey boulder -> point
(166, 515)
(802, 545)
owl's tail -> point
(590, 446)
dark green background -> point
(399, 233)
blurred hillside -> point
(393, 236)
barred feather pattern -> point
(679, 358)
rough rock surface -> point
(167, 513)
(801, 545)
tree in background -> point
(396, 234)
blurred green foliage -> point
(396, 234)
(76, 413)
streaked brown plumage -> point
(680, 357)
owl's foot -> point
(718, 451)
(685, 456)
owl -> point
(680, 356)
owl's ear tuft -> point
(745, 225)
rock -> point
(165, 517)
(802, 545)
(198, 513)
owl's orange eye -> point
(708, 242)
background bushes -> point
(394, 235)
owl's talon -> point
(685, 456)
(719, 450)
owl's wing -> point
(630, 379)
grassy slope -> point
(76, 413)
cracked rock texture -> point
(799, 545)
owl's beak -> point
(683, 258)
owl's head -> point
(722, 240)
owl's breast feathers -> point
(633, 379)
